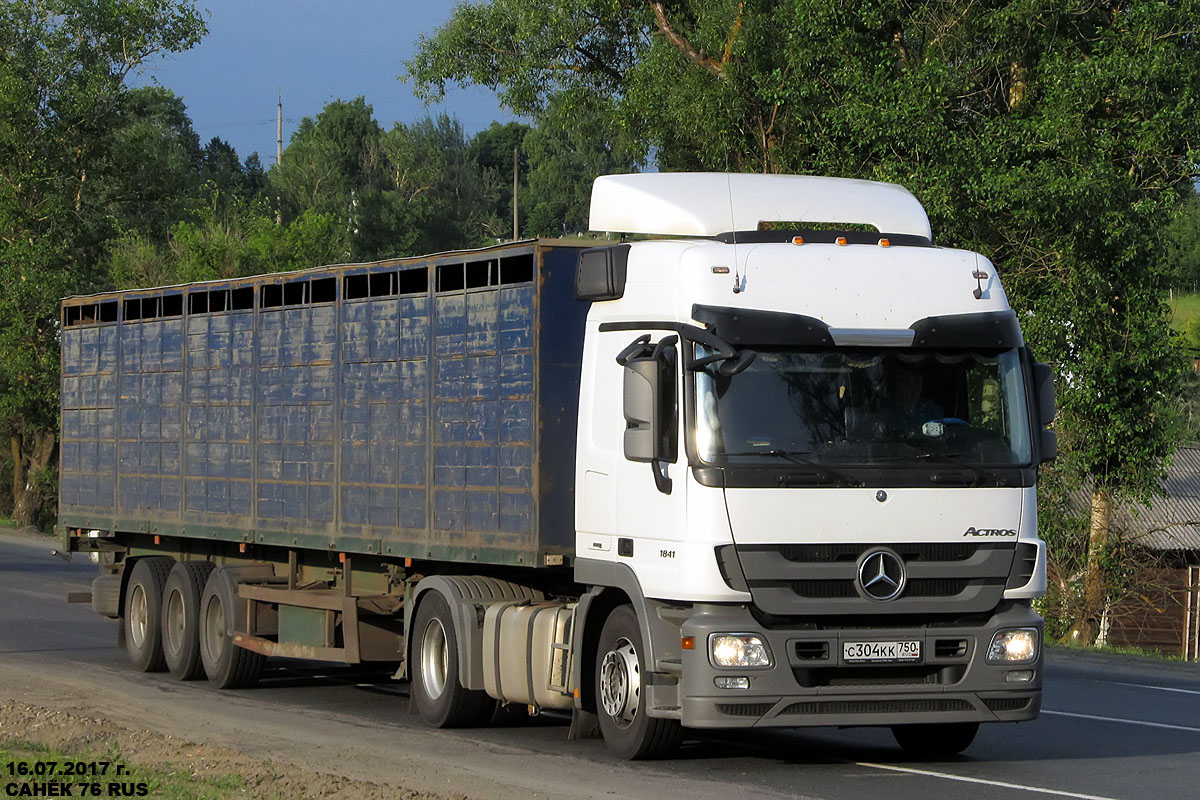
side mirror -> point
(642, 401)
(1043, 390)
(1043, 387)
(648, 402)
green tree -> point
(62, 94)
(492, 150)
(1054, 136)
(575, 141)
(1181, 242)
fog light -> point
(727, 682)
(1013, 646)
(1019, 676)
(740, 650)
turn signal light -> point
(688, 643)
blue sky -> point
(314, 51)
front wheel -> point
(440, 697)
(932, 740)
(629, 732)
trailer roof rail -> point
(711, 203)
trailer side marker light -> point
(688, 643)
(408, 562)
(241, 547)
(797, 240)
(157, 539)
(841, 241)
(885, 243)
(341, 558)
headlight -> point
(1016, 646)
(740, 650)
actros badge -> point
(973, 531)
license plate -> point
(881, 652)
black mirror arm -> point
(634, 348)
(661, 481)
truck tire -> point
(440, 697)
(629, 732)
(181, 618)
(226, 665)
(142, 622)
(933, 740)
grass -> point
(1185, 317)
(1138, 652)
(170, 782)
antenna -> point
(737, 278)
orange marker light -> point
(157, 539)
(341, 558)
(884, 243)
(797, 240)
(688, 643)
(242, 547)
(841, 240)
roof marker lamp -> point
(797, 240)
(739, 650)
(841, 241)
(885, 243)
(1014, 646)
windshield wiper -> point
(798, 457)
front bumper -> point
(811, 685)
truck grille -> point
(822, 579)
(879, 706)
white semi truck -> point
(772, 463)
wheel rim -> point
(173, 622)
(621, 683)
(138, 615)
(214, 628)
(435, 659)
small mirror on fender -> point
(641, 396)
(1043, 383)
(1049, 446)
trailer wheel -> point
(933, 740)
(226, 665)
(629, 732)
(441, 699)
(143, 613)
(181, 618)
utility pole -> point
(515, 232)
(279, 130)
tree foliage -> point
(62, 97)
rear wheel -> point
(142, 623)
(437, 689)
(932, 740)
(181, 618)
(226, 665)
(620, 693)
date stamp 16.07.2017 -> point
(67, 778)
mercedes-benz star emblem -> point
(881, 575)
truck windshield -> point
(865, 407)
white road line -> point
(1141, 722)
(964, 779)
(1144, 686)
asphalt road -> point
(1112, 727)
